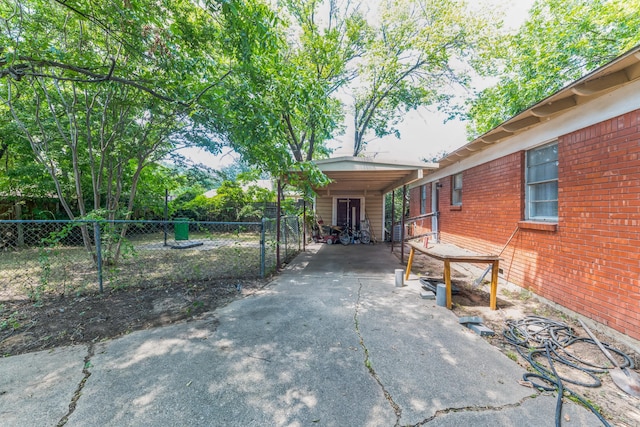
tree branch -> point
(18, 71)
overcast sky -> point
(423, 132)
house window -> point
(423, 200)
(542, 183)
(456, 189)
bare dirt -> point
(514, 303)
(26, 326)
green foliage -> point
(561, 41)
(435, 157)
(231, 203)
(407, 63)
(395, 200)
(76, 83)
(48, 250)
(9, 320)
(283, 107)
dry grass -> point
(69, 270)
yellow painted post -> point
(447, 281)
(493, 302)
(413, 251)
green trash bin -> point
(181, 228)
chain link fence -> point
(61, 257)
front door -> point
(348, 211)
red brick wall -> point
(422, 225)
(414, 202)
(591, 263)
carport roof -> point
(356, 174)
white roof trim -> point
(361, 164)
(622, 72)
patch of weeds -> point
(117, 280)
(10, 322)
(35, 293)
(512, 355)
(594, 405)
(542, 311)
(525, 295)
(506, 292)
(195, 306)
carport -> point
(357, 189)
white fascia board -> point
(606, 107)
(356, 163)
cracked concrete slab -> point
(331, 342)
(37, 388)
(538, 411)
(285, 357)
(428, 361)
(431, 364)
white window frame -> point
(529, 203)
(423, 199)
(456, 190)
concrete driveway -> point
(330, 342)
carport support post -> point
(404, 208)
(393, 210)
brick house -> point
(566, 172)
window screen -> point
(423, 200)
(542, 183)
(456, 189)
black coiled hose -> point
(535, 337)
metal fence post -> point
(98, 239)
(286, 238)
(262, 248)
(66, 251)
(301, 233)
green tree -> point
(19, 172)
(561, 41)
(415, 57)
(231, 203)
(100, 91)
(284, 107)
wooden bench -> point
(449, 254)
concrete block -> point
(470, 319)
(427, 295)
(441, 295)
(481, 330)
(399, 277)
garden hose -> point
(539, 339)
